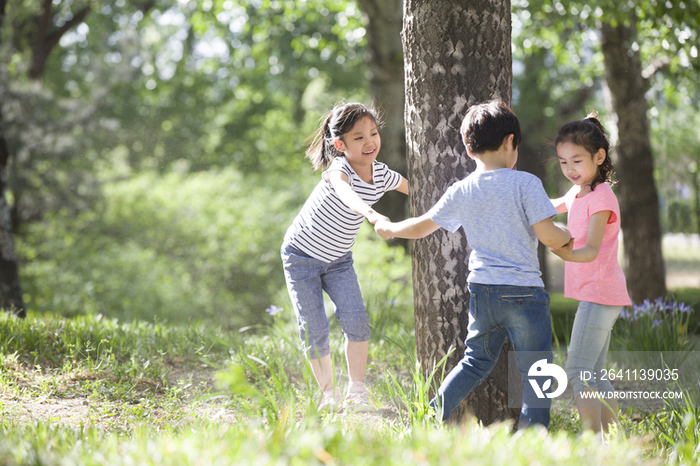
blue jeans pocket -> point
(517, 297)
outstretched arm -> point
(411, 228)
(551, 235)
(594, 238)
(339, 180)
(403, 188)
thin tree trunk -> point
(456, 54)
(531, 155)
(385, 59)
(639, 202)
(696, 191)
(10, 290)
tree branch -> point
(47, 40)
(3, 7)
(55, 36)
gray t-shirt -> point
(497, 210)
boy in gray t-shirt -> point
(503, 213)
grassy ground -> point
(95, 391)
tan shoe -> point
(357, 399)
(331, 400)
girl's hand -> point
(565, 251)
(382, 228)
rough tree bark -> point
(456, 54)
(385, 59)
(639, 202)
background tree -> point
(631, 142)
(385, 62)
(163, 93)
(640, 40)
(456, 55)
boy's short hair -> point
(486, 125)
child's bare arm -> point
(560, 203)
(594, 238)
(340, 183)
(551, 235)
(403, 188)
(411, 228)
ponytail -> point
(335, 124)
(321, 150)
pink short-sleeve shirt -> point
(600, 281)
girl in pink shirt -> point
(592, 273)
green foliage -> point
(677, 159)
(92, 341)
(305, 445)
(143, 86)
(655, 326)
(202, 246)
(674, 428)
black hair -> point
(335, 124)
(487, 124)
(590, 134)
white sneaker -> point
(330, 401)
(357, 399)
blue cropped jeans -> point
(307, 278)
(495, 312)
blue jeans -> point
(496, 312)
(307, 278)
(588, 348)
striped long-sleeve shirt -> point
(326, 228)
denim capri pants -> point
(307, 278)
(588, 348)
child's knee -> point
(355, 325)
(314, 339)
(316, 348)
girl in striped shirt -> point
(316, 249)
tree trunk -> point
(696, 191)
(385, 59)
(531, 156)
(10, 290)
(639, 202)
(456, 54)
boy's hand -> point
(382, 228)
(565, 251)
(374, 217)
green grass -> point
(157, 394)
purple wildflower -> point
(274, 310)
